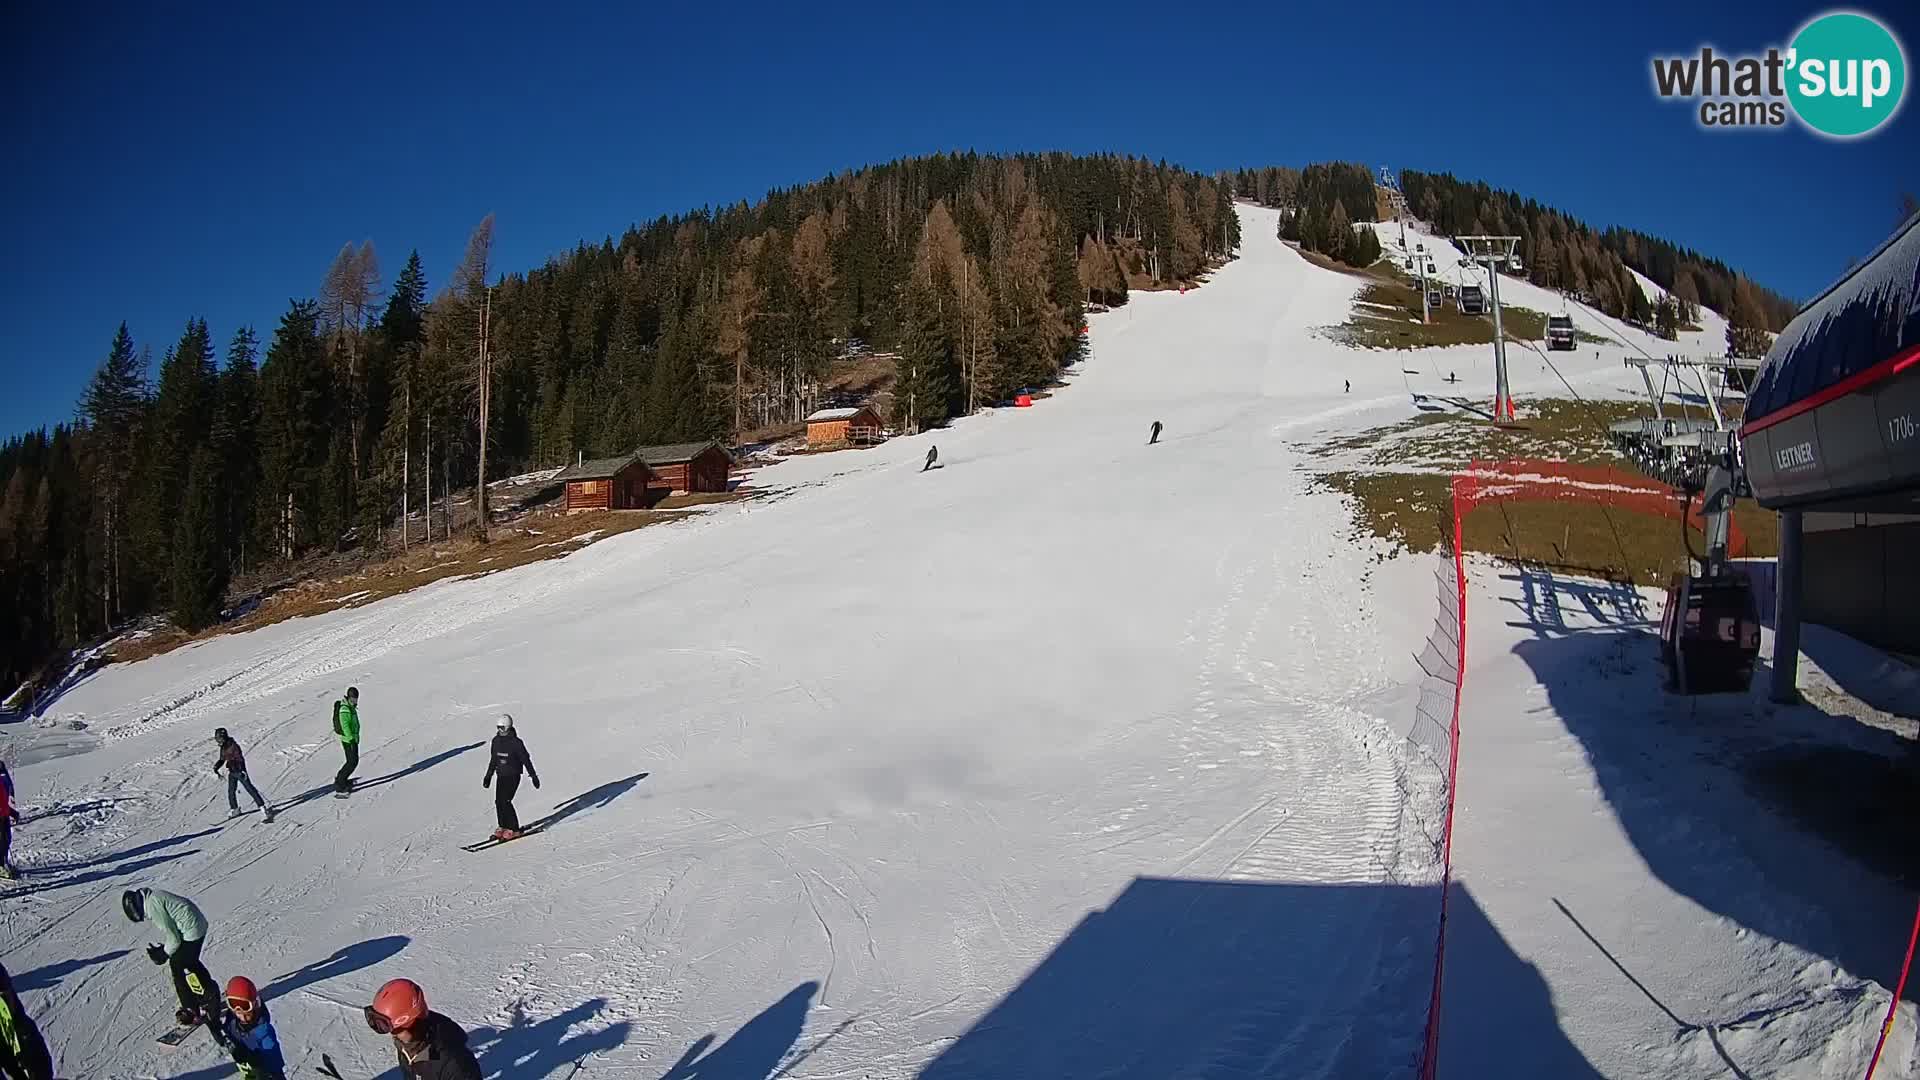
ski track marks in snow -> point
(826, 846)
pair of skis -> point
(494, 841)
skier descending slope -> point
(509, 757)
(185, 930)
(428, 1045)
(1153, 433)
(23, 1053)
(8, 815)
(236, 766)
(933, 455)
(256, 1047)
(346, 725)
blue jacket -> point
(262, 1045)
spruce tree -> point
(199, 576)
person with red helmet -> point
(428, 1045)
(255, 1045)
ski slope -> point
(1072, 758)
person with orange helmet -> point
(429, 1046)
(250, 1034)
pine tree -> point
(296, 423)
(236, 439)
(114, 406)
(199, 568)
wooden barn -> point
(616, 483)
(686, 467)
(832, 427)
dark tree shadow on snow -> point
(349, 959)
(754, 1051)
(542, 1048)
(360, 785)
(102, 873)
(50, 976)
(134, 852)
(592, 800)
(1180, 977)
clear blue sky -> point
(165, 162)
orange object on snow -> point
(1024, 401)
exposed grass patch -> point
(1399, 479)
(1386, 315)
(530, 540)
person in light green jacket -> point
(346, 725)
(183, 930)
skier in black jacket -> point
(428, 1045)
(23, 1053)
(509, 757)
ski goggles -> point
(378, 1021)
(241, 1007)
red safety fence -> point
(1436, 726)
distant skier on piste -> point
(933, 455)
(23, 1053)
(9, 814)
(509, 756)
(235, 762)
(183, 930)
(253, 1042)
(346, 726)
(1153, 433)
(428, 1045)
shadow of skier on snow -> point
(102, 873)
(360, 785)
(352, 958)
(756, 1050)
(46, 978)
(541, 1049)
(591, 800)
(156, 845)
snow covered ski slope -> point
(1072, 757)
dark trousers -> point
(343, 780)
(504, 786)
(237, 779)
(6, 838)
(33, 1062)
(190, 978)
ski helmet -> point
(243, 998)
(399, 1005)
(220, 734)
(505, 723)
(353, 693)
(134, 903)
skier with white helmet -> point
(509, 757)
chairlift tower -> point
(1495, 251)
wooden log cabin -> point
(686, 467)
(832, 427)
(616, 483)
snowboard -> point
(176, 1036)
(491, 842)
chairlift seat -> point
(1710, 633)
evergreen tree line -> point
(1321, 207)
(1561, 252)
(370, 398)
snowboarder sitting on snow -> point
(429, 1046)
(23, 1053)
(235, 763)
(509, 757)
(8, 815)
(255, 1046)
(185, 930)
(346, 725)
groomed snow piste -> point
(1074, 757)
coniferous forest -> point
(240, 450)
(1558, 250)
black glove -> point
(488, 782)
(536, 783)
(156, 954)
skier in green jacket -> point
(183, 930)
(346, 725)
(23, 1053)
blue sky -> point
(165, 162)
